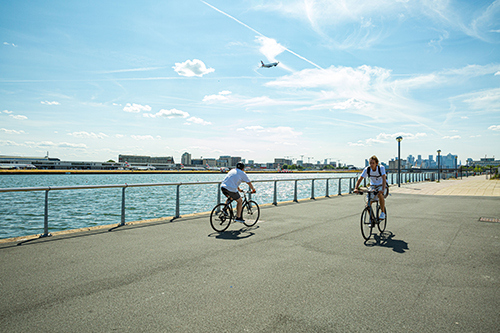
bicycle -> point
(369, 217)
(223, 214)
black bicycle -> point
(371, 217)
(223, 214)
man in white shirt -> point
(378, 181)
(231, 185)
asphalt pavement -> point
(303, 268)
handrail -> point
(352, 181)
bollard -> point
(312, 190)
(295, 193)
(327, 194)
(340, 186)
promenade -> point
(303, 268)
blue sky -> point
(91, 80)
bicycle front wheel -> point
(251, 213)
(220, 217)
(366, 224)
(382, 223)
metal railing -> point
(48, 189)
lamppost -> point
(399, 138)
(456, 167)
(439, 164)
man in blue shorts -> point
(231, 185)
(378, 182)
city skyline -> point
(94, 80)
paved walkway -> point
(471, 186)
(303, 268)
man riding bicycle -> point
(378, 182)
(230, 187)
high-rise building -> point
(186, 158)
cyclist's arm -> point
(251, 187)
(356, 188)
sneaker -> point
(382, 216)
(240, 219)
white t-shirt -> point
(375, 176)
(233, 179)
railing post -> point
(275, 197)
(46, 216)
(340, 186)
(350, 185)
(177, 202)
(123, 206)
(218, 193)
(327, 194)
(295, 192)
(312, 190)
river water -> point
(22, 213)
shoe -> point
(382, 216)
(239, 219)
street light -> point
(399, 138)
(439, 164)
(456, 167)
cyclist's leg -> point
(381, 200)
(239, 205)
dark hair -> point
(240, 166)
(374, 158)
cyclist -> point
(378, 181)
(231, 185)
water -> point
(22, 213)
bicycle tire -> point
(251, 213)
(366, 225)
(381, 223)
(220, 220)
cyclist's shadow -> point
(386, 239)
(242, 233)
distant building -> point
(486, 161)
(186, 158)
(283, 161)
(142, 159)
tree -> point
(111, 161)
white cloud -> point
(170, 114)
(50, 103)
(136, 108)
(142, 137)
(12, 131)
(10, 143)
(270, 48)
(220, 97)
(199, 121)
(193, 67)
(494, 127)
(7, 111)
(454, 137)
(90, 135)
(119, 136)
(10, 44)
(18, 117)
(497, 73)
(60, 144)
(284, 131)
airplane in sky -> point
(269, 65)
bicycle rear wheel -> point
(220, 218)
(381, 223)
(251, 213)
(366, 224)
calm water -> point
(22, 213)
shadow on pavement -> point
(386, 239)
(235, 234)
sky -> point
(89, 80)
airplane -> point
(269, 65)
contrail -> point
(248, 27)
